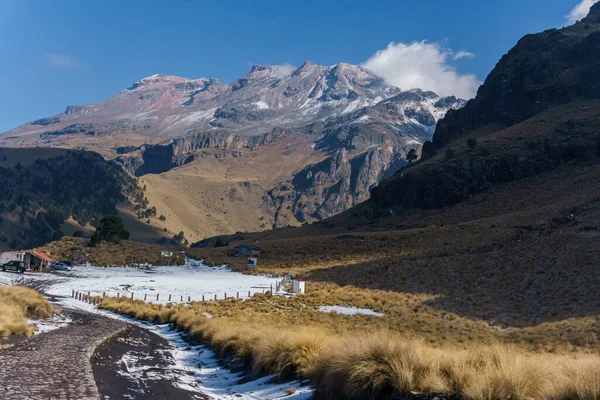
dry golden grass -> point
(510, 264)
(272, 335)
(222, 191)
(18, 303)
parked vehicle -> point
(15, 266)
(60, 266)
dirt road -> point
(56, 364)
(137, 364)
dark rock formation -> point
(544, 91)
(543, 70)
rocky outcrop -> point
(332, 186)
(542, 71)
(156, 159)
(462, 178)
(544, 92)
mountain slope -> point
(299, 144)
(542, 71)
(43, 188)
(536, 111)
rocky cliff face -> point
(543, 70)
(536, 111)
(332, 186)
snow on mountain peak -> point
(157, 78)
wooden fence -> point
(153, 297)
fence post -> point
(103, 294)
(181, 298)
(215, 297)
(225, 295)
(89, 294)
(248, 294)
(118, 295)
(238, 295)
(72, 293)
(190, 299)
(271, 288)
(156, 296)
(131, 295)
(202, 297)
(145, 296)
(169, 297)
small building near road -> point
(33, 259)
(247, 250)
(38, 260)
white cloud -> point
(463, 54)
(425, 66)
(63, 60)
(580, 11)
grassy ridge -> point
(16, 305)
(112, 254)
(273, 338)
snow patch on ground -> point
(261, 105)
(57, 321)
(195, 117)
(361, 119)
(350, 310)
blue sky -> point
(68, 52)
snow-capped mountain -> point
(333, 132)
(267, 97)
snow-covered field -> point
(191, 281)
(198, 370)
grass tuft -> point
(369, 364)
(17, 304)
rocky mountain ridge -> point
(354, 127)
(536, 112)
(542, 71)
